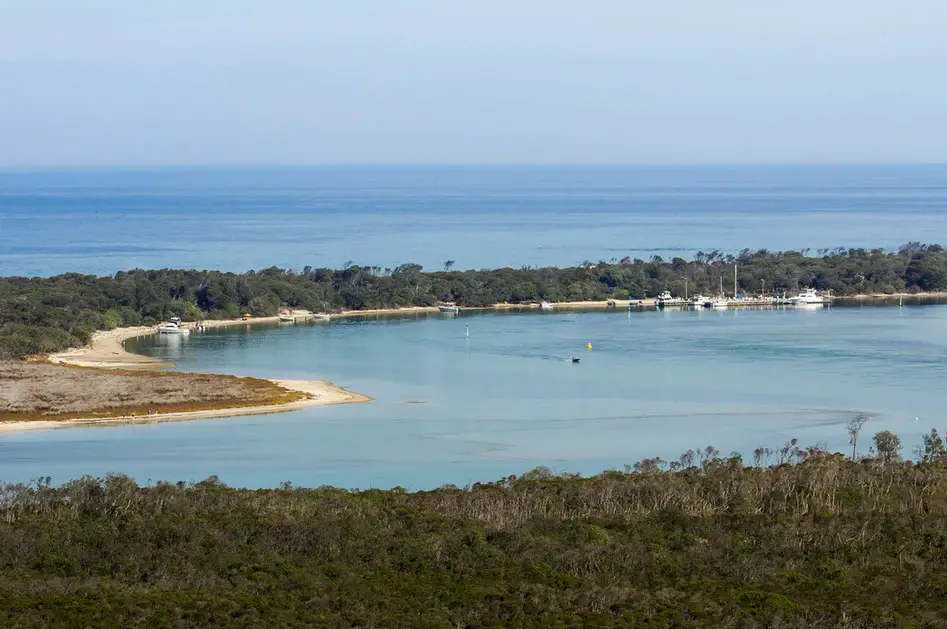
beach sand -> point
(321, 394)
(566, 305)
(107, 351)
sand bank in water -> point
(321, 394)
(107, 351)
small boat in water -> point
(287, 319)
(666, 299)
(697, 301)
(449, 307)
(717, 302)
(173, 327)
(574, 359)
(545, 305)
(809, 298)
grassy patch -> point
(40, 391)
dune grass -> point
(42, 391)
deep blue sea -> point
(102, 221)
(452, 409)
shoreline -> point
(611, 304)
(321, 393)
(573, 305)
(106, 351)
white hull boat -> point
(666, 299)
(808, 299)
(173, 327)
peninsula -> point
(47, 315)
(78, 321)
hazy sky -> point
(122, 82)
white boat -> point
(808, 298)
(545, 305)
(697, 301)
(666, 299)
(717, 302)
(449, 307)
(173, 327)
(287, 319)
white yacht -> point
(697, 301)
(173, 327)
(666, 299)
(449, 307)
(717, 302)
(545, 305)
(807, 298)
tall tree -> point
(854, 428)
(888, 446)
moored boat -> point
(717, 302)
(808, 298)
(666, 299)
(449, 307)
(287, 319)
(545, 305)
(173, 327)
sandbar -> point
(106, 350)
(320, 394)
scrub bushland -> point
(815, 541)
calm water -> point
(101, 221)
(508, 399)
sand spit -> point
(107, 351)
(320, 394)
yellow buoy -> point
(589, 346)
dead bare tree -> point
(854, 428)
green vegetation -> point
(816, 541)
(41, 315)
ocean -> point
(103, 221)
(452, 409)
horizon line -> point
(408, 165)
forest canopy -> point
(41, 315)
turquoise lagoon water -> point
(452, 409)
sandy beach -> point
(107, 351)
(107, 348)
(574, 305)
(321, 394)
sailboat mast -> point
(734, 281)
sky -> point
(299, 82)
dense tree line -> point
(46, 314)
(813, 540)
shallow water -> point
(452, 409)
